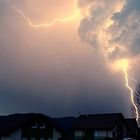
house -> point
(100, 126)
(36, 126)
(30, 126)
(133, 127)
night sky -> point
(63, 57)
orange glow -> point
(120, 5)
(122, 64)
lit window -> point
(79, 134)
(100, 133)
(42, 126)
(34, 125)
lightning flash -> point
(102, 31)
(124, 66)
(55, 21)
(107, 33)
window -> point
(110, 134)
(100, 133)
(24, 138)
(50, 139)
(35, 125)
(79, 134)
(42, 126)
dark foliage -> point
(137, 98)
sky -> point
(68, 57)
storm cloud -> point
(112, 26)
(51, 70)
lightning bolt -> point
(57, 20)
(131, 92)
(132, 79)
(123, 65)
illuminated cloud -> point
(113, 26)
(125, 31)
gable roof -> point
(98, 121)
(66, 123)
(12, 122)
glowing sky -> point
(61, 57)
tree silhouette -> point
(137, 98)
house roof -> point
(66, 123)
(12, 122)
(131, 122)
(98, 121)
